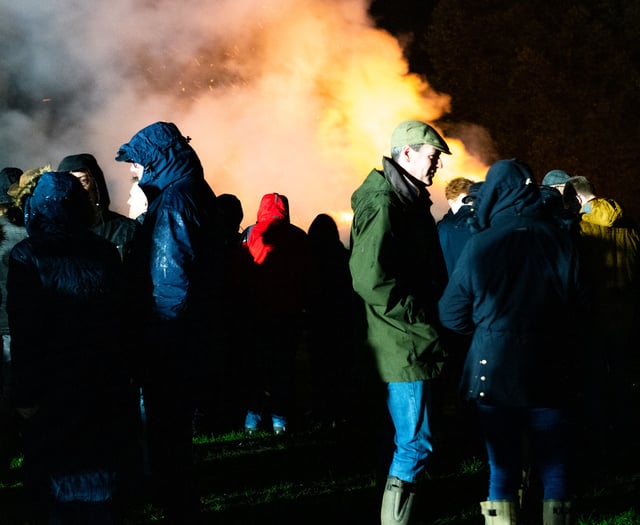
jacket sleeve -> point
(172, 254)
(376, 274)
(455, 307)
(24, 290)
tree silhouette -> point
(556, 84)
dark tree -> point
(556, 84)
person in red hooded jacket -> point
(280, 258)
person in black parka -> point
(70, 381)
(514, 279)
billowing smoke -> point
(293, 96)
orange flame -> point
(304, 104)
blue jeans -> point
(253, 420)
(546, 431)
(408, 404)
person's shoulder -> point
(464, 212)
(374, 182)
(111, 215)
(99, 244)
(22, 250)
(446, 223)
(116, 222)
(297, 230)
(377, 194)
(447, 217)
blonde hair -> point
(457, 186)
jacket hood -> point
(273, 208)
(87, 163)
(58, 204)
(508, 189)
(323, 231)
(603, 212)
(165, 154)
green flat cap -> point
(412, 132)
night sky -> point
(555, 83)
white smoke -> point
(293, 96)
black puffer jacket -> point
(65, 307)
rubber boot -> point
(397, 502)
(499, 512)
(556, 512)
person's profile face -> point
(88, 183)
(137, 200)
(85, 179)
(424, 163)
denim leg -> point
(502, 432)
(279, 421)
(252, 419)
(550, 437)
(408, 404)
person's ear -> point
(406, 153)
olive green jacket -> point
(398, 270)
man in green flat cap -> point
(398, 270)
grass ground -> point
(334, 476)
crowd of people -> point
(122, 337)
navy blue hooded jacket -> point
(454, 229)
(178, 255)
(515, 281)
(65, 305)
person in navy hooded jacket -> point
(71, 383)
(514, 279)
(177, 259)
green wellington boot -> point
(499, 512)
(397, 502)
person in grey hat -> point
(560, 200)
(556, 179)
(398, 270)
